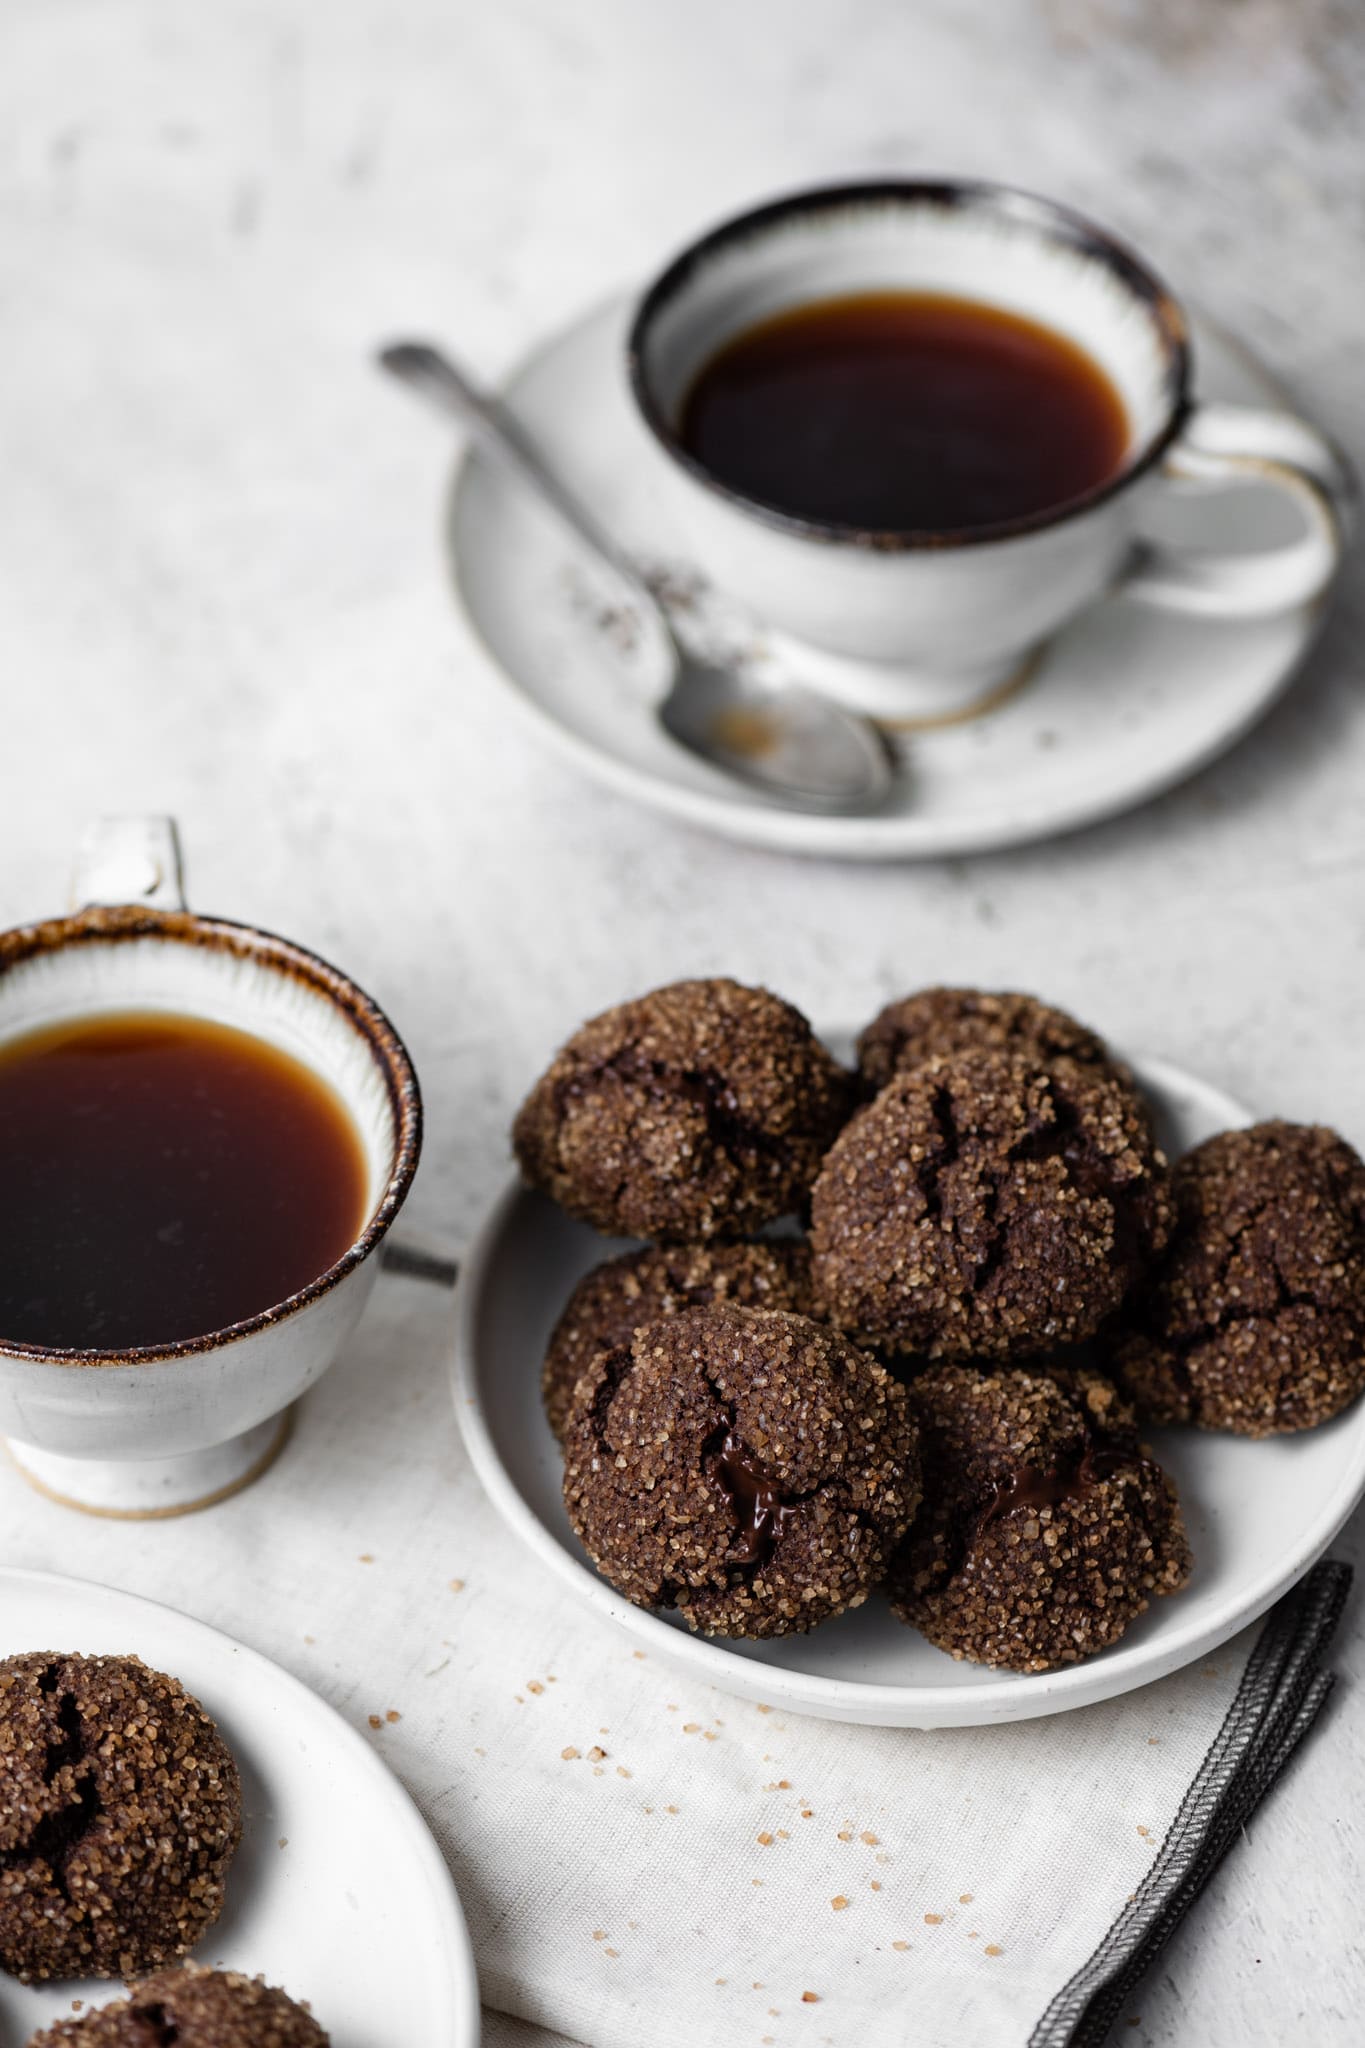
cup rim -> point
(1059, 222)
(116, 925)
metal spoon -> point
(779, 736)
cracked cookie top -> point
(1255, 1320)
(193, 2008)
(120, 1810)
(619, 1297)
(743, 1465)
(937, 1022)
(987, 1206)
(699, 1111)
(1045, 1529)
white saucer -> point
(1258, 1514)
(338, 1892)
(1126, 702)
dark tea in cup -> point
(165, 1176)
(905, 412)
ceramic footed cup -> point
(161, 1429)
(908, 623)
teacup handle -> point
(1224, 444)
(129, 860)
(419, 1258)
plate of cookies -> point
(194, 1847)
(957, 1371)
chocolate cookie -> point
(616, 1299)
(1044, 1529)
(935, 1023)
(1255, 1320)
(700, 1111)
(984, 1206)
(120, 1811)
(194, 2008)
(743, 1465)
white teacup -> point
(164, 1428)
(950, 615)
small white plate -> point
(1258, 1514)
(1124, 703)
(338, 1891)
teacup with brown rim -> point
(922, 612)
(138, 1429)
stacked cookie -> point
(760, 1430)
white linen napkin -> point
(643, 1858)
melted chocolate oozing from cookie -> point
(1030, 1486)
(759, 1507)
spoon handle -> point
(437, 379)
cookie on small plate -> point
(1045, 1528)
(701, 1110)
(194, 2008)
(617, 1298)
(744, 1466)
(936, 1022)
(987, 1206)
(120, 1811)
(1254, 1321)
